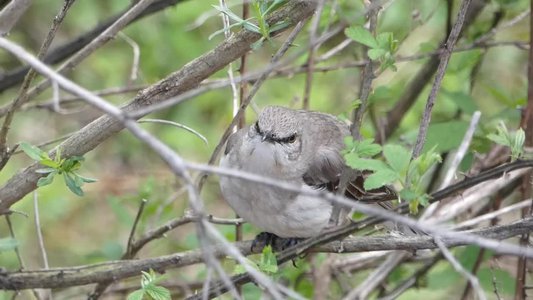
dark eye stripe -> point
(289, 139)
(257, 127)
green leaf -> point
(358, 163)
(33, 152)
(464, 101)
(72, 163)
(422, 163)
(268, 263)
(279, 26)
(355, 104)
(71, 184)
(424, 200)
(407, 195)
(376, 53)
(8, 244)
(446, 136)
(398, 157)
(86, 179)
(136, 295)
(384, 40)
(48, 179)
(361, 35)
(50, 163)
(157, 292)
(367, 148)
(380, 178)
(45, 170)
(498, 139)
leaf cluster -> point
(261, 9)
(513, 140)
(149, 288)
(58, 166)
(267, 263)
(381, 48)
(398, 166)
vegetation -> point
(380, 65)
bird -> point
(299, 147)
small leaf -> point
(86, 179)
(47, 179)
(367, 148)
(136, 295)
(356, 103)
(32, 151)
(498, 139)
(279, 26)
(376, 53)
(424, 200)
(268, 262)
(398, 157)
(45, 170)
(361, 35)
(50, 163)
(366, 164)
(380, 178)
(71, 184)
(158, 292)
(407, 195)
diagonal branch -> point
(176, 83)
(15, 76)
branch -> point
(379, 243)
(15, 76)
(114, 270)
(11, 14)
(180, 81)
(441, 70)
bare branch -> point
(441, 70)
(80, 275)
(11, 14)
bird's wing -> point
(325, 167)
(234, 139)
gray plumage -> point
(297, 146)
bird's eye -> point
(291, 139)
(256, 126)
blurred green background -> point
(95, 228)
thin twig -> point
(136, 56)
(363, 290)
(12, 234)
(23, 92)
(367, 76)
(129, 248)
(40, 238)
(311, 56)
(187, 128)
(492, 215)
(457, 266)
(456, 161)
(441, 70)
(11, 13)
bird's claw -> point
(269, 239)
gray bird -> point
(297, 146)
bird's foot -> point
(269, 239)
